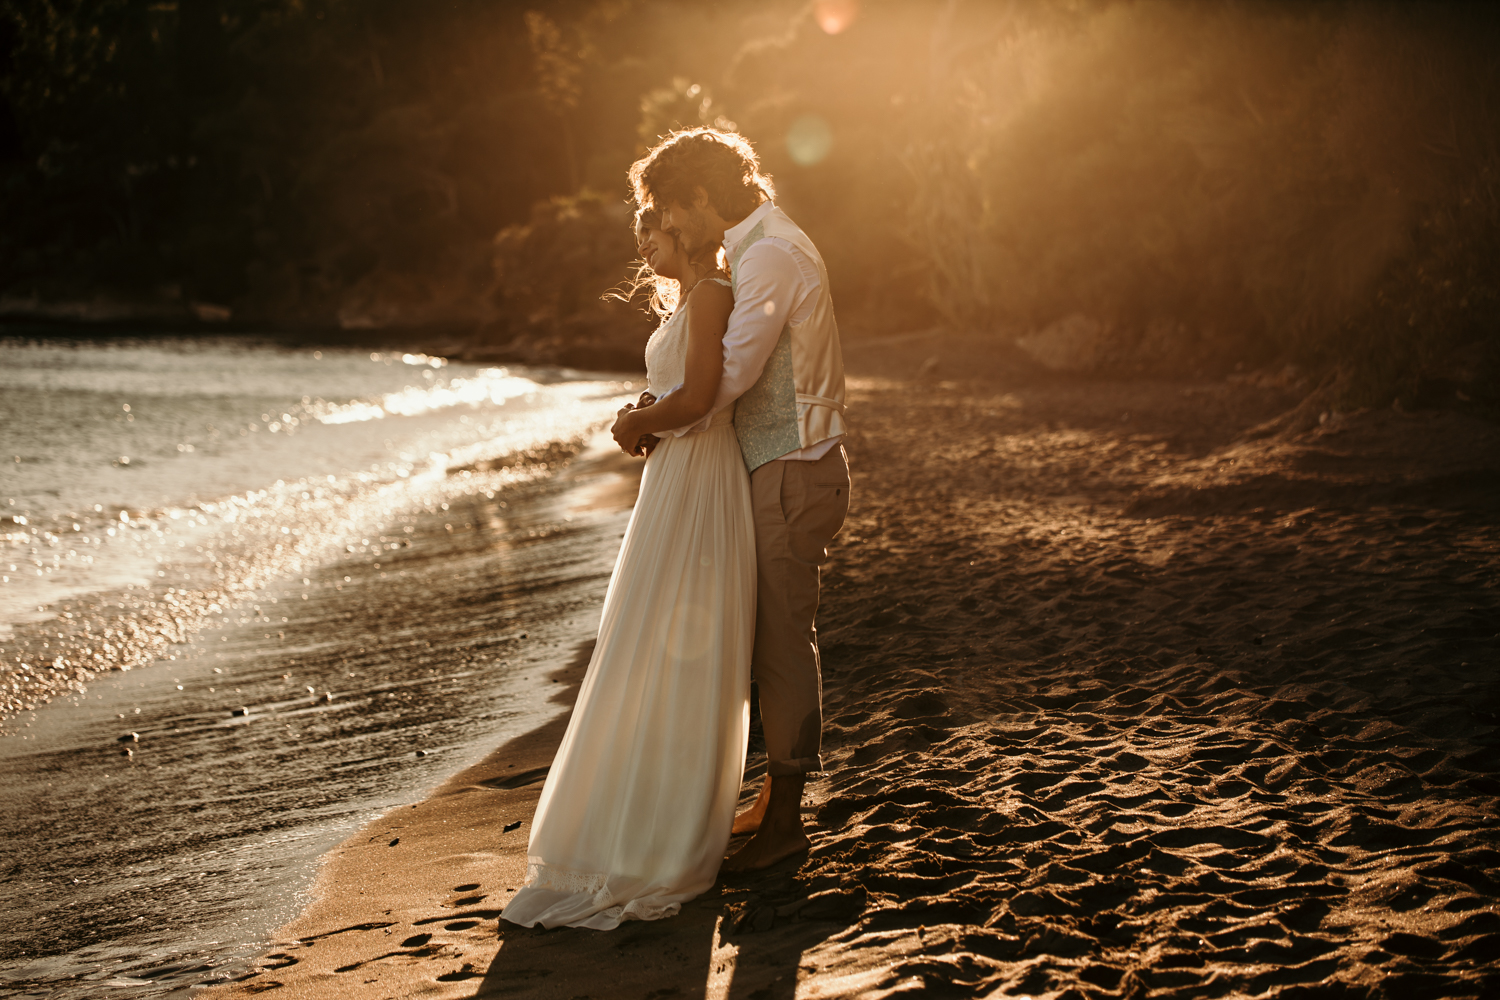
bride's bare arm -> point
(708, 307)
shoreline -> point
(460, 849)
(1136, 706)
(416, 662)
(446, 835)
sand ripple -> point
(1092, 743)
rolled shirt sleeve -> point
(776, 286)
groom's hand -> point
(638, 445)
(628, 441)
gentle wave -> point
(208, 495)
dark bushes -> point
(549, 275)
(1121, 186)
(1221, 184)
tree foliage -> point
(1199, 185)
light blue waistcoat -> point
(799, 398)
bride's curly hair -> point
(662, 293)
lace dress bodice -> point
(666, 358)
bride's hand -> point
(646, 400)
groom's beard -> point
(693, 236)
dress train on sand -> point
(636, 811)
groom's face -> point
(692, 226)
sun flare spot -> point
(833, 16)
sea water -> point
(122, 459)
(251, 596)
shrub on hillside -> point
(1234, 183)
(550, 276)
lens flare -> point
(834, 16)
(809, 140)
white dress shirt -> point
(777, 285)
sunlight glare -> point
(835, 15)
(809, 140)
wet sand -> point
(1122, 701)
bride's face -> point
(662, 253)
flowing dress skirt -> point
(636, 812)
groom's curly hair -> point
(723, 163)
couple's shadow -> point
(710, 949)
(662, 958)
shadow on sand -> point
(741, 940)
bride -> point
(637, 809)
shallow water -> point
(324, 618)
(113, 447)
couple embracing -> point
(745, 485)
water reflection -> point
(208, 485)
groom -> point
(783, 364)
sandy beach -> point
(1124, 698)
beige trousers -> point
(799, 507)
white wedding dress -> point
(635, 815)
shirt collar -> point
(741, 229)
